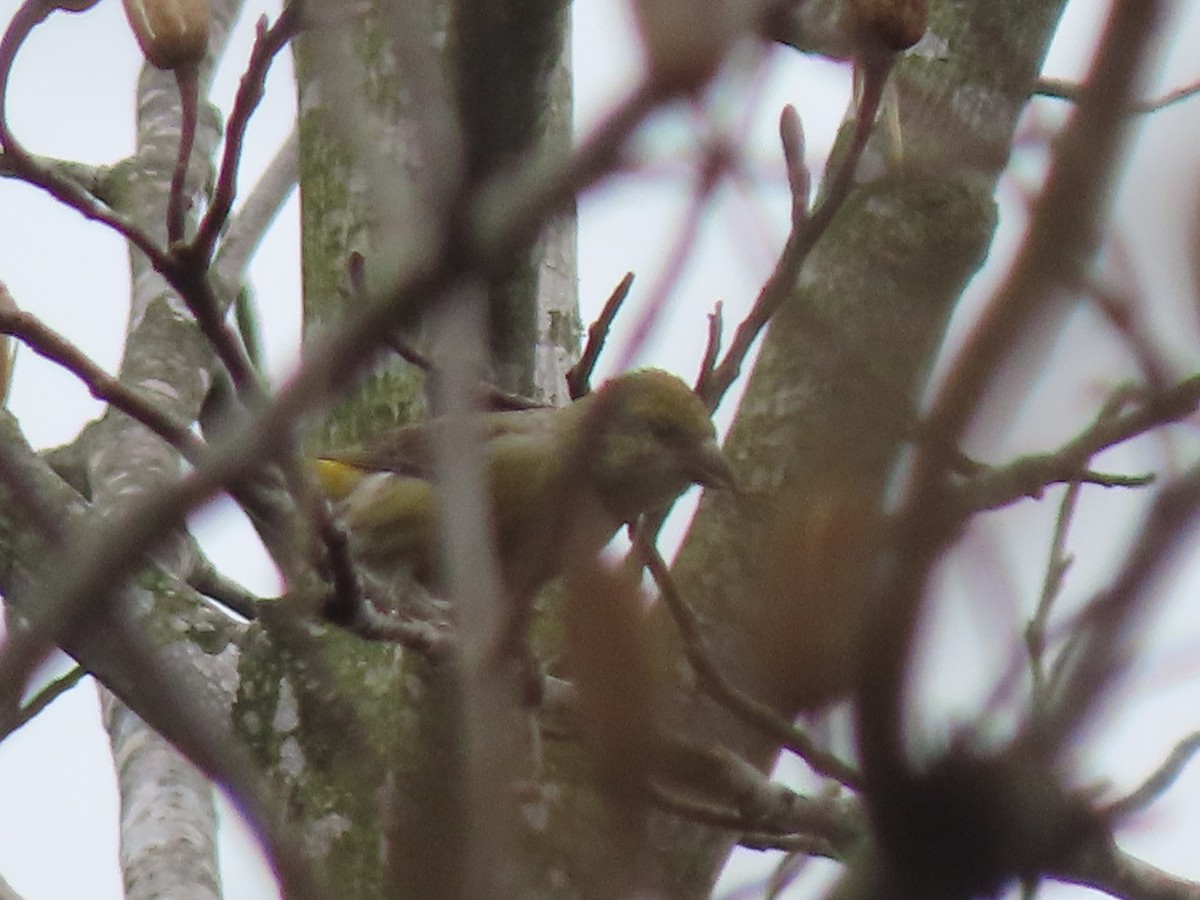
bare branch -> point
(580, 375)
(47, 695)
(1159, 781)
(1105, 867)
(53, 178)
(712, 347)
(1056, 570)
(753, 711)
(259, 209)
(187, 81)
(267, 45)
(1058, 89)
(800, 242)
(46, 342)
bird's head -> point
(646, 437)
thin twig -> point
(1159, 781)
(46, 342)
(1056, 570)
(47, 695)
(1059, 89)
(717, 776)
(187, 274)
(52, 179)
(206, 579)
(790, 843)
(1124, 417)
(268, 43)
(753, 711)
(706, 812)
(579, 376)
(708, 177)
(187, 80)
(800, 242)
(179, 271)
(712, 346)
(487, 395)
(1103, 651)
(1102, 865)
(258, 210)
(432, 640)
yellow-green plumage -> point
(630, 448)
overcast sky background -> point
(70, 98)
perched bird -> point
(630, 448)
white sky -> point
(57, 819)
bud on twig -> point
(791, 135)
(171, 33)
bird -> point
(627, 449)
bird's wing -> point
(408, 451)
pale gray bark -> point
(167, 820)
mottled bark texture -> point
(843, 363)
(167, 821)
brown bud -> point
(813, 587)
(895, 24)
(171, 33)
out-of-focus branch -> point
(1159, 781)
(23, 715)
(1062, 235)
(1106, 868)
(1056, 570)
(709, 175)
(1058, 89)
(259, 209)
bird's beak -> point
(710, 468)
